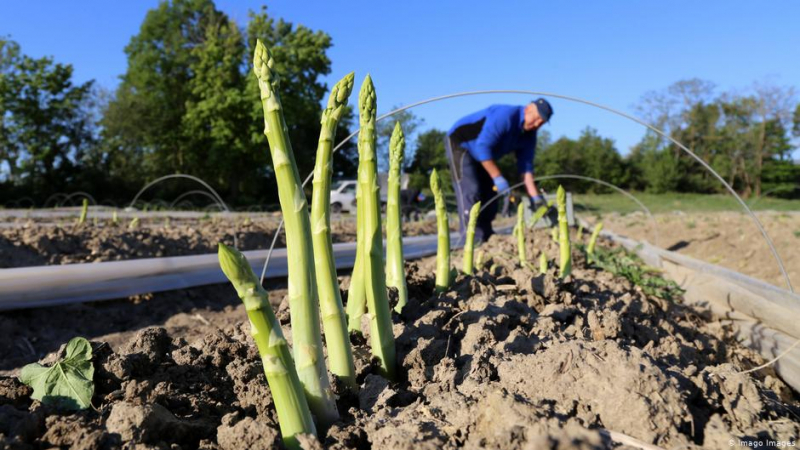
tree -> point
(45, 126)
(796, 121)
(429, 154)
(189, 101)
(144, 128)
(591, 155)
(736, 134)
(383, 131)
(301, 60)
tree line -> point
(188, 103)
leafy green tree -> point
(216, 123)
(189, 101)
(46, 126)
(144, 123)
(428, 155)
(590, 155)
(383, 131)
(301, 60)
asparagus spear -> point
(84, 211)
(395, 263)
(565, 266)
(542, 263)
(340, 355)
(381, 333)
(469, 243)
(443, 230)
(593, 239)
(356, 295)
(303, 300)
(294, 416)
(520, 230)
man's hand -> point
(537, 201)
(500, 184)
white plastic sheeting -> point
(29, 287)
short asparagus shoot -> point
(520, 230)
(303, 300)
(395, 263)
(565, 262)
(294, 416)
(84, 211)
(381, 334)
(469, 243)
(542, 263)
(479, 260)
(593, 240)
(340, 355)
(443, 232)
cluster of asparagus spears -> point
(560, 234)
(298, 377)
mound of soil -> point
(505, 359)
(35, 244)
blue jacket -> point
(494, 132)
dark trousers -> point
(471, 183)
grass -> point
(665, 203)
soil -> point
(507, 358)
(32, 243)
(728, 239)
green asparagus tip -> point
(262, 61)
(561, 195)
(434, 181)
(367, 99)
(236, 268)
(338, 99)
(396, 144)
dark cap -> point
(544, 108)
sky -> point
(607, 52)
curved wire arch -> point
(180, 175)
(728, 187)
(196, 192)
(18, 202)
(78, 194)
(585, 178)
(55, 196)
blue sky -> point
(609, 52)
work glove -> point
(537, 201)
(500, 184)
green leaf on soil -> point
(67, 384)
